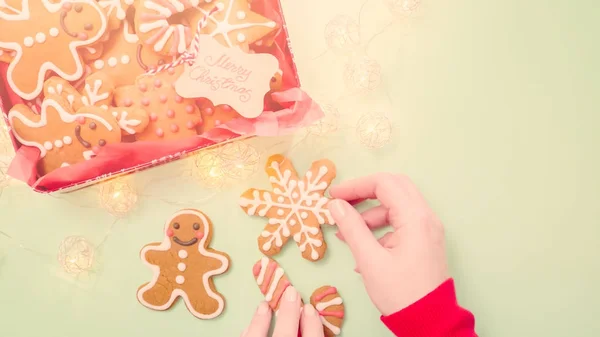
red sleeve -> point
(435, 315)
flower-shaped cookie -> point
(296, 208)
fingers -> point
(311, 325)
(353, 228)
(288, 317)
(259, 327)
(375, 217)
(387, 241)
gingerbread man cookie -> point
(63, 136)
(45, 35)
(330, 307)
(98, 91)
(125, 58)
(183, 266)
(234, 23)
(296, 208)
(172, 117)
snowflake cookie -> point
(295, 208)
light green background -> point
(495, 113)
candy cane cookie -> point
(271, 280)
(330, 307)
(154, 26)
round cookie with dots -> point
(171, 116)
(214, 116)
(63, 136)
(330, 306)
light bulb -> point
(374, 130)
(328, 124)
(342, 33)
(403, 7)
(362, 74)
(234, 161)
(118, 197)
(76, 255)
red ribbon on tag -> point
(186, 57)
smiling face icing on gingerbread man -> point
(45, 35)
(183, 266)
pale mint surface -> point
(495, 113)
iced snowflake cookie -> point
(98, 92)
(330, 307)
(183, 266)
(296, 208)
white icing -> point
(182, 254)
(115, 6)
(93, 93)
(181, 266)
(89, 154)
(336, 331)
(309, 201)
(65, 116)
(160, 44)
(58, 143)
(166, 245)
(124, 123)
(112, 62)
(179, 279)
(241, 37)
(48, 145)
(40, 37)
(53, 32)
(28, 41)
(125, 59)
(129, 37)
(324, 305)
(278, 275)
(64, 165)
(224, 25)
(76, 67)
(264, 262)
(67, 140)
(98, 64)
(241, 15)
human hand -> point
(408, 262)
(291, 318)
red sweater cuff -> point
(435, 315)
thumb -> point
(355, 231)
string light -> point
(362, 74)
(403, 7)
(374, 130)
(342, 33)
(326, 125)
(234, 161)
(76, 255)
(118, 197)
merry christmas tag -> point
(228, 76)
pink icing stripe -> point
(256, 269)
(157, 35)
(278, 293)
(338, 314)
(268, 276)
(321, 296)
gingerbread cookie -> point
(46, 35)
(213, 116)
(271, 280)
(234, 23)
(153, 26)
(98, 91)
(124, 57)
(63, 136)
(296, 208)
(116, 11)
(183, 266)
(6, 55)
(171, 116)
(330, 307)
